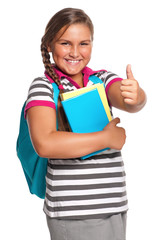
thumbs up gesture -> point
(130, 89)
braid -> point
(48, 65)
(62, 120)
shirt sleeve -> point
(40, 94)
(108, 78)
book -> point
(85, 113)
(101, 90)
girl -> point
(85, 199)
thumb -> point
(115, 121)
(129, 72)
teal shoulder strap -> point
(56, 95)
(95, 79)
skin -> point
(71, 53)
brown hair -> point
(63, 18)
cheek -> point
(59, 52)
(86, 53)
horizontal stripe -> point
(86, 212)
(85, 192)
(86, 197)
(86, 166)
(84, 187)
(85, 202)
(38, 89)
(41, 87)
(84, 181)
(41, 80)
(84, 171)
(34, 94)
(42, 83)
(41, 98)
(110, 75)
(87, 207)
(85, 176)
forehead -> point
(74, 32)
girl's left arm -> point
(127, 95)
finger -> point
(126, 88)
(129, 72)
(128, 95)
(129, 101)
(127, 82)
(115, 121)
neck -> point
(78, 79)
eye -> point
(84, 44)
(64, 43)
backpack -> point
(35, 167)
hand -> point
(130, 89)
(116, 135)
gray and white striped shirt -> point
(75, 188)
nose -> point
(74, 52)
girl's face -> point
(72, 51)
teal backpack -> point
(35, 167)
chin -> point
(72, 72)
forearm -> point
(49, 143)
(71, 145)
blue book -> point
(86, 114)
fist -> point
(130, 88)
(115, 134)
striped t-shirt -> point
(75, 188)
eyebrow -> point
(87, 40)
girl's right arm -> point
(50, 143)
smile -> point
(72, 62)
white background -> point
(126, 31)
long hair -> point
(62, 19)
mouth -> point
(73, 62)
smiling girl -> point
(85, 199)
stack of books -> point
(87, 110)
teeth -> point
(72, 61)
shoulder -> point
(40, 86)
(106, 76)
(40, 93)
(41, 83)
